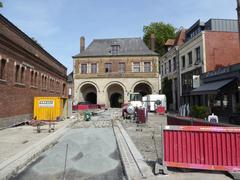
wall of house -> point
(222, 49)
(42, 76)
(115, 72)
(117, 81)
(190, 46)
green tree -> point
(1, 4)
(162, 32)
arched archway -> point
(115, 95)
(88, 94)
(91, 97)
(143, 88)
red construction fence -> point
(202, 147)
(88, 106)
(190, 121)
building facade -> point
(208, 46)
(26, 71)
(108, 70)
(169, 65)
(220, 91)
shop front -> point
(220, 91)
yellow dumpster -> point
(49, 108)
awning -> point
(211, 88)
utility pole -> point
(238, 14)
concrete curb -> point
(134, 165)
(16, 163)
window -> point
(121, 67)
(32, 78)
(108, 67)
(198, 56)
(183, 61)
(162, 69)
(165, 67)
(17, 69)
(190, 58)
(64, 89)
(83, 68)
(2, 68)
(42, 82)
(45, 85)
(174, 64)
(22, 75)
(115, 49)
(147, 67)
(136, 67)
(35, 79)
(94, 68)
(169, 66)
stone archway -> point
(115, 94)
(143, 88)
(88, 94)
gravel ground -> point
(142, 137)
(92, 153)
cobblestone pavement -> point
(101, 119)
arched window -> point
(2, 69)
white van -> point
(156, 99)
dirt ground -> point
(143, 136)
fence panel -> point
(202, 147)
(189, 121)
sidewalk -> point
(20, 145)
(14, 140)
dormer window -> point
(115, 49)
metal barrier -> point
(202, 147)
(189, 121)
(87, 106)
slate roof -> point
(128, 47)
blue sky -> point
(58, 24)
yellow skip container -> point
(49, 108)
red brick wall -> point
(17, 99)
(222, 49)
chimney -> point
(238, 14)
(152, 42)
(82, 44)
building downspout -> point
(238, 14)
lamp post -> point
(238, 14)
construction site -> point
(106, 146)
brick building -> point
(208, 46)
(169, 64)
(26, 70)
(110, 69)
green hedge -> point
(199, 111)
